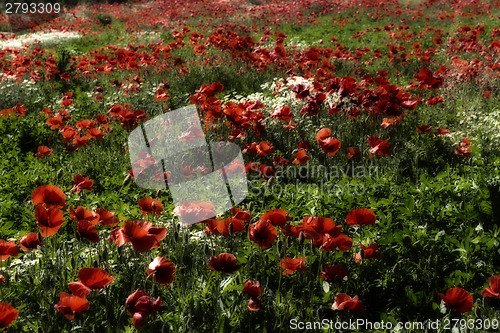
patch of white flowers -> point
(39, 38)
(485, 121)
(299, 45)
(278, 92)
(147, 36)
(11, 87)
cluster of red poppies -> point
(50, 200)
(18, 110)
(460, 300)
(322, 232)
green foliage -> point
(438, 213)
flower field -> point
(369, 138)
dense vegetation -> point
(397, 101)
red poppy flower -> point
(424, 128)
(463, 148)
(222, 227)
(410, 103)
(335, 273)
(341, 242)
(434, 100)
(107, 218)
(494, 289)
(141, 234)
(48, 195)
(266, 171)
(441, 131)
(252, 288)
(79, 289)
(161, 270)
(264, 148)
(263, 233)
(149, 205)
(193, 212)
(458, 299)
(87, 230)
(49, 220)
(82, 214)
(7, 314)
(30, 242)
(300, 157)
(43, 151)
(161, 95)
(66, 99)
(8, 249)
(85, 123)
(82, 183)
(55, 122)
(371, 252)
(353, 153)
(102, 119)
(140, 305)
(300, 91)
(322, 225)
(360, 216)
(282, 113)
(95, 133)
(117, 237)
(389, 122)
(290, 126)
(254, 304)
(224, 262)
(427, 79)
(211, 227)
(345, 302)
(70, 304)
(94, 278)
(276, 217)
(290, 265)
(291, 230)
(379, 147)
(240, 214)
(328, 144)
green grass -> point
(437, 212)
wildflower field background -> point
(397, 100)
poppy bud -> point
(153, 205)
(73, 262)
(301, 237)
(125, 181)
(158, 193)
(231, 229)
(176, 235)
(59, 173)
